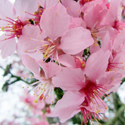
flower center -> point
(88, 115)
(49, 50)
(94, 92)
(114, 64)
(82, 2)
(80, 63)
(14, 27)
(37, 15)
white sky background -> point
(10, 103)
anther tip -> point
(35, 101)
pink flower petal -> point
(5, 11)
(47, 3)
(36, 55)
(7, 47)
(78, 39)
(66, 108)
(55, 21)
(97, 64)
(94, 48)
(73, 8)
(120, 39)
(50, 68)
(96, 12)
(77, 22)
(67, 60)
(111, 80)
(28, 44)
(107, 43)
(33, 32)
(100, 106)
(31, 64)
(69, 79)
(25, 5)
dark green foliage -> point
(86, 54)
(13, 78)
(59, 93)
(76, 119)
(7, 70)
(32, 22)
(48, 60)
(123, 80)
(99, 43)
(5, 86)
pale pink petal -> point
(36, 55)
(113, 13)
(119, 60)
(67, 60)
(107, 43)
(94, 48)
(78, 39)
(120, 39)
(30, 64)
(69, 79)
(98, 105)
(5, 11)
(93, 14)
(25, 5)
(68, 106)
(109, 19)
(113, 32)
(77, 22)
(55, 21)
(28, 44)
(7, 47)
(115, 8)
(111, 81)
(33, 32)
(47, 3)
(97, 64)
(50, 68)
(31, 42)
(19, 49)
(73, 8)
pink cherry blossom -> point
(37, 121)
(72, 61)
(89, 84)
(12, 25)
(76, 45)
(45, 87)
(59, 28)
(29, 100)
(58, 37)
(73, 7)
(116, 61)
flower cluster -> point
(39, 111)
(77, 46)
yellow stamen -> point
(36, 100)
(2, 28)
(83, 65)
